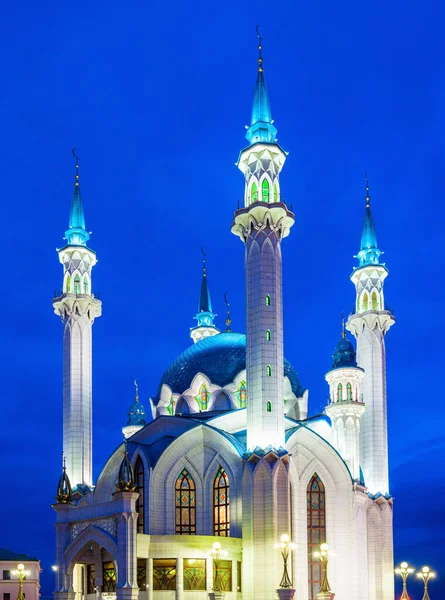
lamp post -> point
(404, 571)
(426, 574)
(217, 555)
(20, 573)
(286, 546)
(323, 555)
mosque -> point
(229, 453)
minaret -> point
(369, 324)
(78, 308)
(136, 416)
(204, 316)
(261, 225)
(346, 406)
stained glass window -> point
(316, 532)
(265, 190)
(254, 193)
(221, 504)
(203, 397)
(68, 284)
(268, 335)
(222, 577)
(171, 406)
(194, 574)
(164, 574)
(339, 392)
(275, 193)
(142, 574)
(242, 400)
(91, 579)
(268, 371)
(185, 504)
(77, 284)
(365, 302)
(267, 300)
(374, 301)
(269, 407)
(109, 577)
(349, 391)
(139, 480)
(85, 285)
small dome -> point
(221, 358)
(136, 414)
(344, 354)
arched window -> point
(374, 301)
(365, 302)
(269, 407)
(268, 335)
(185, 504)
(349, 391)
(339, 392)
(265, 191)
(268, 371)
(139, 481)
(243, 395)
(68, 283)
(77, 284)
(316, 532)
(267, 300)
(221, 501)
(253, 193)
(275, 193)
(85, 285)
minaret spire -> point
(369, 252)
(261, 124)
(78, 308)
(76, 234)
(205, 316)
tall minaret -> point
(204, 316)
(369, 324)
(261, 225)
(78, 308)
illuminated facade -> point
(229, 454)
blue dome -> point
(136, 414)
(220, 357)
(344, 355)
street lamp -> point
(217, 555)
(20, 573)
(426, 574)
(286, 546)
(323, 555)
(404, 570)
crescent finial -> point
(74, 153)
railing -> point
(58, 293)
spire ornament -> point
(343, 326)
(228, 318)
(126, 474)
(76, 234)
(368, 195)
(260, 48)
(204, 262)
(64, 492)
(136, 395)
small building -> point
(9, 585)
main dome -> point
(220, 357)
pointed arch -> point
(139, 479)
(77, 287)
(185, 504)
(349, 391)
(265, 190)
(269, 407)
(67, 283)
(365, 302)
(316, 531)
(202, 398)
(221, 504)
(268, 371)
(254, 193)
(339, 392)
(275, 192)
(86, 284)
(267, 335)
(267, 299)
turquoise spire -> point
(369, 252)
(77, 235)
(261, 124)
(204, 316)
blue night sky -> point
(155, 96)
